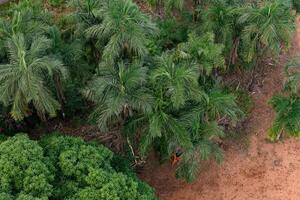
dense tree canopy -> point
(152, 71)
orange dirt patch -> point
(264, 172)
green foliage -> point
(183, 115)
(203, 52)
(22, 79)
(250, 31)
(266, 28)
(117, 92)
(160, 88)
(65, 168)
(171, 32)
(296, 5)
(244, 101)
(2, 138)
(124, 29)
(287, 107)
(287, 118)
(23, 170)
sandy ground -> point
(264, 171)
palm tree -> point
(118, 92)
(221, 19)
(266, 29)
(202, 120)
(172, 86)
(287, 107)
(86, 13)
(124, 29)
(25, 17)
(177, 82)
(202, 51)
(23, 79)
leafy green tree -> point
(24, 171)
(287, 107)
(23, 79)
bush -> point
(62, 167)
(23, 170)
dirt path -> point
(264, 172)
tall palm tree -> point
(23, 79)
(118, 92)
(124, 29)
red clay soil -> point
(265, 171)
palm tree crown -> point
(117, 92)
(124, 27)
(266, 28)
(23, 78)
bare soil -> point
(264, 171)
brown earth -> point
(264, 171)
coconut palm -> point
(124, 29)
(23, 80)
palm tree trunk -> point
(60, 92)
(44, 121)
